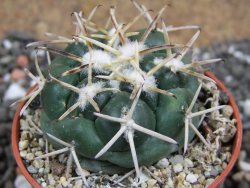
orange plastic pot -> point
(218, 182)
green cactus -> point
(155, 111)
(122, 99)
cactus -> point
(121, 99)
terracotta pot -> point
(216, 184)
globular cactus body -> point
(89, 133)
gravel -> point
(13, 85)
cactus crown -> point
(121, 99)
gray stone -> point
(32, 169)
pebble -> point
(215, 171)
(163, 163)
(44, 184)
(176, 159)
(209, 181)
(38, 153)
(144, 185)
(169, 183)
(23, 144)
(227, 111)
(85, 172)
(32, 169)
(207, 174)
(24, 125)
(51, 179)
(151, 183)
(188, 163)
(201, 178)
(178, 167)
(21, 182)
(181, 177)
(30, 156)
(78, 184)
(191, 178)
(38, 163)
(63, 181)
(41, 142)
(41, 170)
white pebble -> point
(85, 172)
(178, 167)
(23, 153)
(38, 153)
(144, 185)
(63, 181)
(151, 183)
(227, 111)
(188, 163)
(23, 144)
(176, 159)
(44, 184)
(191, 178)
(169, 183)
(30, 156)
(41, 142)
(41, 170)
(24, 135)
(38, 163)
(163, 163)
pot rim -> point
(15, 135)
